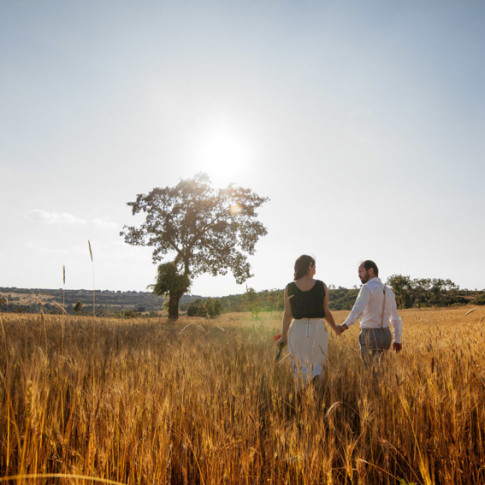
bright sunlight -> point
(223, 152)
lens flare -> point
(235, 209)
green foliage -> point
(214, 307)
(78, 307)
(479, 299)
(128, 314)
(252, 302)
(342, 298)
(275, 299)
(272, 300)
(207, 231)
(169, 280)
(197, 308)
(403, 288)
(208, 307)
(425, 292)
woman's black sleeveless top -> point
(307, 304)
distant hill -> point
(25, 300)
(269, 300)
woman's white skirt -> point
(307, 344)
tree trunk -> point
(173, 304)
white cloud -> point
(39, 215)
(32, 246)
(58, 218)
(104, 223)
(120, 251)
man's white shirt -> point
(368, 307)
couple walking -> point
(306, 306)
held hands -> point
(396, 347)
(340, 329)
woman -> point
(306, 303)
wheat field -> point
(203, 401)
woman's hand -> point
(280, 339)
(340, 329)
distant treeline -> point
(431, 292)
(267, 300)
(107, 302)
(417, 293)
(128, 303)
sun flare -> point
(235, 209)
(223, 152)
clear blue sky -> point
(363, 121)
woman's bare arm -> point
(328, 314)
(287, 317)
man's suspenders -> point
(383, 305)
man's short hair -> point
(368, 264)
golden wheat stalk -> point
(92, 268)
(38, 300)
(363, 427)
(59, 307)
(42, 318)
(63, 284)
(58, 475)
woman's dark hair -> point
(368, 264)
(301, 266)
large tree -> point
(204, 230)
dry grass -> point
(203, 402)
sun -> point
(223, 152)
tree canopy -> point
(204, 229)
(425, 292)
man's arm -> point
(358, 308)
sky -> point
(362, 121)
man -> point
(376, 308)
